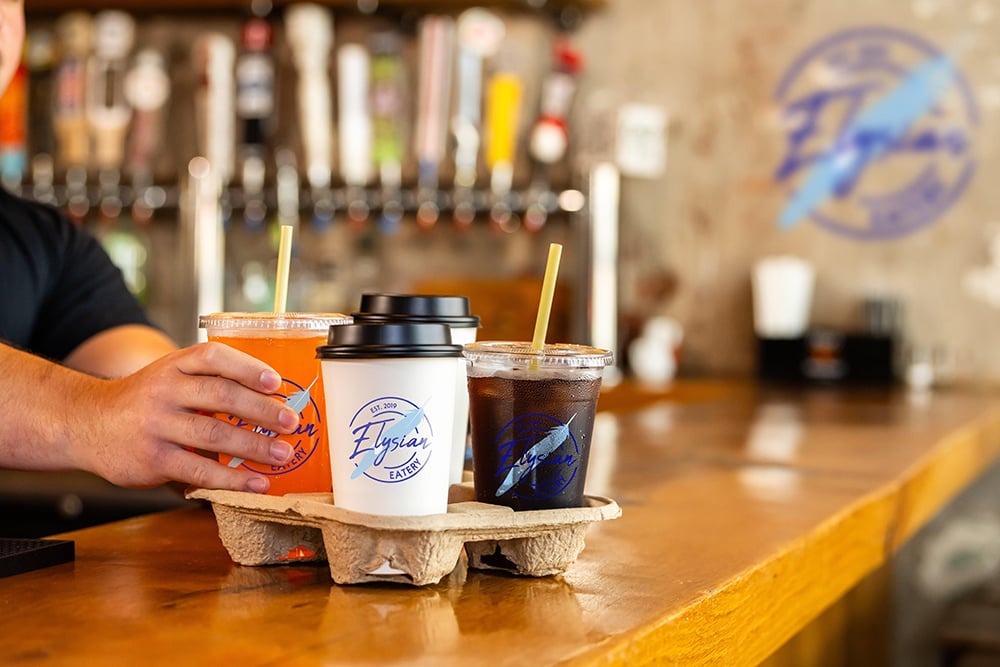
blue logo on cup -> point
(392, 440)
(878, 134)
(304, 440)
(538, 457)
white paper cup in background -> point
(782, 296)
(391, 416)
(452, 311)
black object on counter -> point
(23, 555)
(828, 357)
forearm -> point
(42, 403)
(120, 351)
(138, 430)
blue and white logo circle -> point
(538, 457)
(393, 440)
(879, 129)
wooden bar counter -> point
(746, 513)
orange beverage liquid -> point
(292, 353)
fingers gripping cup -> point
(390, 422)
(450, 310)
(287, 342)
(532, 420)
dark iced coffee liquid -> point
(520, 439)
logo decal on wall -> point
(878, 134)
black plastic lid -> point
(450, 310)
(363, 340)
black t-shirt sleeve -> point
(72, 289)
(89, 296)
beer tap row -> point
(110, 198)
(384, 126)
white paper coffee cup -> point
(390, 416)
(452, 311)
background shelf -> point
(146, 6)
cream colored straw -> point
(548, 292)
(284, 259)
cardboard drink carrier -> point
(418, 550)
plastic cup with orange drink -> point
(287, 342)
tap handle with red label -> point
(550, 136)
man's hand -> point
(134, 431)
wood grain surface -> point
(747, 514)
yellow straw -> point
(284, 259)
(548, 292)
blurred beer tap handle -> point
(437, 40)
(77, 198)
(480, 33)
(388, 110)
(147, 90)
(40, 58)
(43, 179)
(391, 200)
(355, 122)
(110, 204)
(287, 182)
(108, 110)
(309, 32)
(213, 56)
(75, 36)
(255, 109)
(75, 33)
(549, 136)
(502, 111)
(253, 172)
